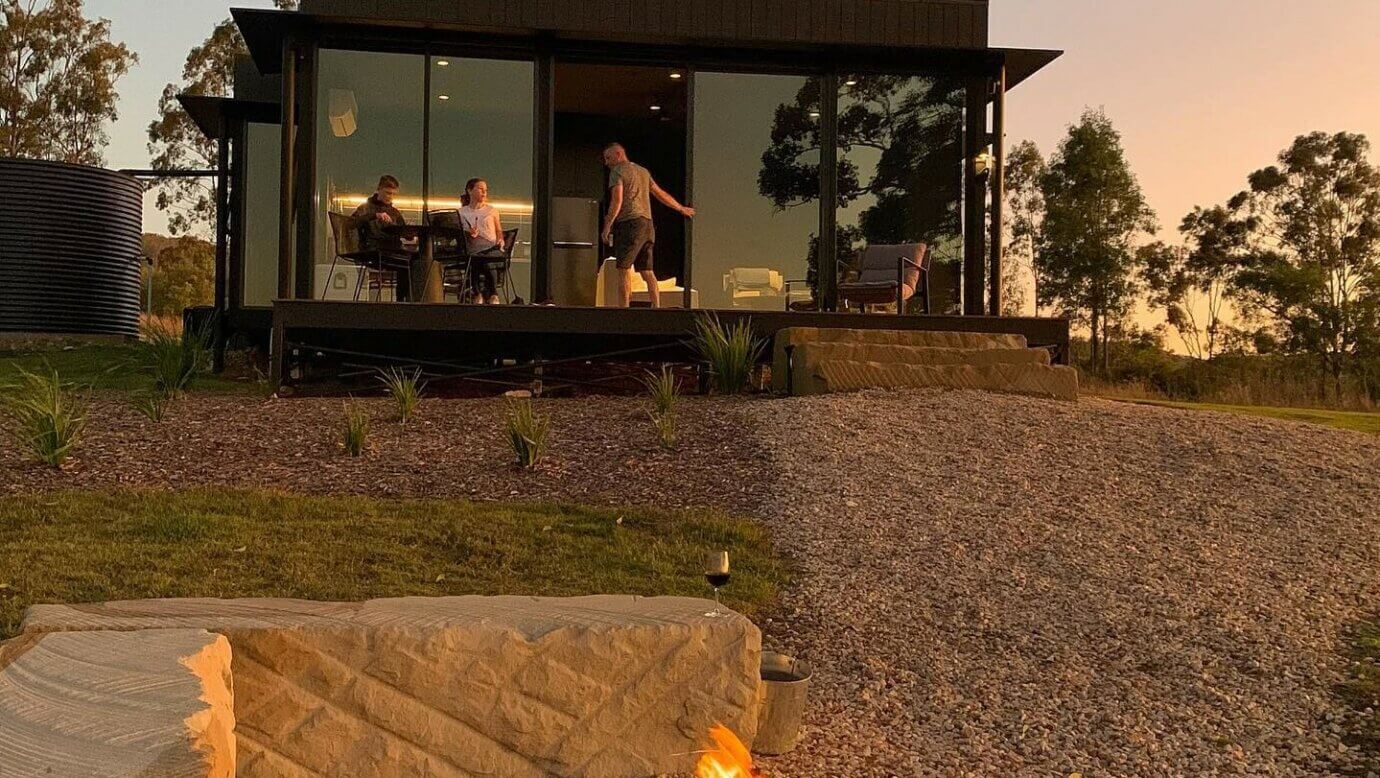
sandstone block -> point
(787, 339)
(466, 686)
(805, 360)
(108, 704)
(1057, 382)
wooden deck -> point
(307, 332)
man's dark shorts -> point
(633, 243)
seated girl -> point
(484, 241)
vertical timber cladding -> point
(941, 23)
(70, 248)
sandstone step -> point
(804, 378)
(1058, 382)
(788, 339)
(108, 704)
(461, 686)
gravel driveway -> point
(1002, 586)
(989, 585)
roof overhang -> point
(217, 117)
(265, 31)
(1021, 64)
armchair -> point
(890, 274)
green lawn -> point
(1347, 420)
(89, 547)
(104, 366)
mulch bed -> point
(602, 451)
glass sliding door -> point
(262, 181)
(482, 127)
(900, 141)
(756, 184)
(370, 120)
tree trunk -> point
(1093, 341)
(1106, 349)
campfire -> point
(728, 759)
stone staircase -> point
(811, 361)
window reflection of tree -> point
(900, 158)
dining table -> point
(426, 273)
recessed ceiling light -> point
(851, 82)
(445, 63)
(442, 97)
(656, 108)
(814, 114)
(676, 76)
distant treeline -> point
(1287, 271)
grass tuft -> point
(404, 388)
(175, 358)
(356, 433)
(527, 433)
(730, 352)
(152, 405)
(44, 416)
(664, 390)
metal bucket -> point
(785, 686)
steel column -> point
(998, 190)
(287, 172)
(974, 198)
(222, 248)
(304, 159)
(828, 251)
(544, 137)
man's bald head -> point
(615, 154)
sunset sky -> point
(1204, 91)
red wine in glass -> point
(716, 572)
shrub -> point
(175, 358)
(45, 416)
(526, 433)
(664, 389)
(356, 433)
(404, 388)
(730, 352)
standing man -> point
(628, 227)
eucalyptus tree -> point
(1304, 245)
(1095, 215)
(175, 143)
(58, 77)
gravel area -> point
(1002, 586)
(988, 585)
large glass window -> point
(901, 171)
(482, 127)
(369, 124)
(262, 182)
(756, 185)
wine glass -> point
(716, 573)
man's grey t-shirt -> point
(637, 190)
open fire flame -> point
(728, 759)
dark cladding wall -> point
(948, 23)
(69, 249)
